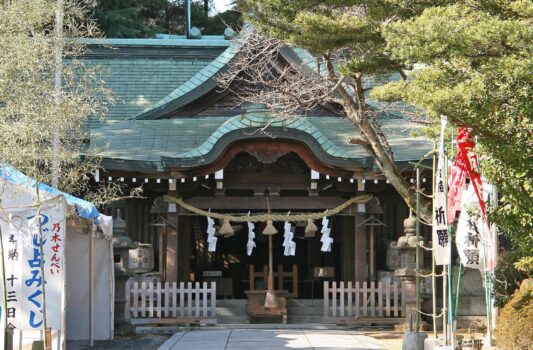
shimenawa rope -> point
(268, 216)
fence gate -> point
(363, 302)
(170, 303)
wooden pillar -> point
(347, 248)
(372, 256)
(171, 256)
(184, 248)
(361, 259)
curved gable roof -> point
(198, 85)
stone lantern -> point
(406, 246)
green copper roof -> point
(175, 41)
(140, 72)
(193, 82)
(256, 120)
(193, 138)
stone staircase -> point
(231, 311)
(305, 310)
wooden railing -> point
(279, 278)
(170, 303)
(363, 302)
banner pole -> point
(457, 289)
(417, 229)
(433, 266)
(495, 247)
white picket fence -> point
(171, 303)
(363, 302)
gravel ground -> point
(144, 342)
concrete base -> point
(433, 343)
(413, 341)
(404, 327)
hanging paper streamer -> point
(288, 243)
(251, 235)
(211, 239)
(440, 237)
(325, 239)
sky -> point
(221, 5)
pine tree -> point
(346, 37)
(475, 66)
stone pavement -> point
(264, 339)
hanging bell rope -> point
(365, 198)
(269, 228)
(226, 229)
(311, 228)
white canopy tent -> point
(86, 286)
(78, 264)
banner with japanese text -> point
(25, 253)
(472, 232)
(440, 236)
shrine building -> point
(176, 133)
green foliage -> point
(525, 265)
(145, 18)
(129, 18)
(474, 65)
(350, 28)
(43, 129)
(514, 331)
(507, 277)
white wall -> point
(77, 287)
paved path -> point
(263, 339)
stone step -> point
(298, 311)
(305, 307)
(231, 311)
(305, 303)
(304, 318)
(232, 302)
(226, 311)
(232, 319)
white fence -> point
(170, 303)
(363, 302)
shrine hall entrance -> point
(302, 275)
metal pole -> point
(450, 271)
(188, 19)
(445, 303)
(433, 266)
(458, 289)
(417, 228)
(486, 282)
(91, 294)
(495, 247)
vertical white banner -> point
(440, 237)
(24, 279)
(472, 231)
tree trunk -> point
(380, 152)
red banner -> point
(467, 163)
